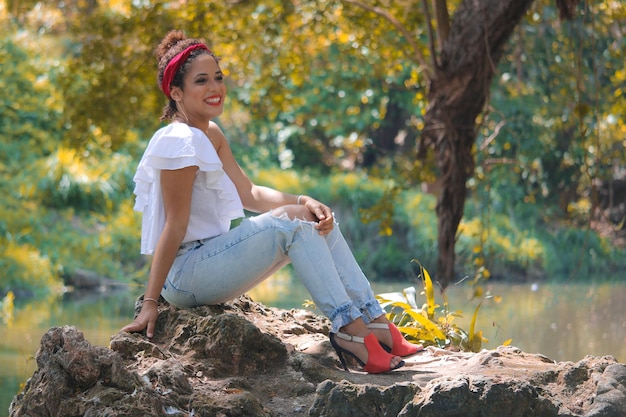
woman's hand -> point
(146, 319)
(323, 214)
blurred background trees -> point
(341, 93)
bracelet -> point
(150, 299)
(299, 198)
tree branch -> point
(567, 8)
(417, 55)
(491, 137)
(431, 34)
(443, 21)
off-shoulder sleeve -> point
(175, 147)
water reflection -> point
(563, 322)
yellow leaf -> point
(414, 333)
(472, 335)
(475, 341)
(430, 292)
(427, 324)
(478, 291)
(401, 304)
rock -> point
(344, 399)
(244, 359)
(81, 279)
(73, 376)
(475, 396)
(610, 393)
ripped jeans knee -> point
(294, 212)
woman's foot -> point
(356, 340)
(378, 360)
(391, 339)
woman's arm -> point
(258, 198)
(255, 198)
(176, 187)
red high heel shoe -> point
(401, 347)
(378, 361)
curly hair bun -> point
(169, 41)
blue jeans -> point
(218, 269)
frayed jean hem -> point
(371, 311)
(343, 315)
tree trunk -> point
(457, 96)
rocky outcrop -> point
(244, 359)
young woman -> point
(189, 187)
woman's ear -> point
(176, 93)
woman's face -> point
(204, 90)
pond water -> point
(562, 321)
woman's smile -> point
(204, 91)
(214, 101)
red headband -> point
(175, 63)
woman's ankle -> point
(356, 328)
(383, 334)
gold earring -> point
(179, 107)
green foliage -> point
(30, 106)
(555, 124)
(70, 182)
(424, 325)
(581, 255)
(118, 243)
(6, 308)
(417, 210)
(505, 248)
(489, 245)
(26, 270)
(67, 180)
(106, 244)
(330, 89)
(109, 82)
(41, 237)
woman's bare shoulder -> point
(216, 135)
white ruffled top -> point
(214, 200)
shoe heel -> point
(339, 351)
